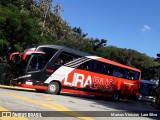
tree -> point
(45, 6)
(17, 28)
(27, 22)
(98, 43)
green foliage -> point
(27, 22)
(18, 28)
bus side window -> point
(118, 72)
(129, 75)
(64, 58)
(107, 70)
(59, 62)
(125, 74)
(91, 66)
(84, 66)
(98, 67)
(133, 75)
(115, 71)
(49, 53)
(136, 75)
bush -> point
(4, 74)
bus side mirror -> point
(14, 57)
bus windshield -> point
(18, 64)
(22, 65)
(31, 60)
(36, 63)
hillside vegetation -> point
(27, 22)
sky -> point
(131, 24)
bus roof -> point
(76, 52)
(70, 50)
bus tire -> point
(53, 88)
(116, 96)
(40, 91)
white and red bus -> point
(54, 68)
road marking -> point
(4, 111)
(56, 106)
(16, 88)
(64, 109)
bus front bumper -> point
(27, 85)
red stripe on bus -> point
(34, 87)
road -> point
(27, 104)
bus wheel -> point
(116, 96)
(53, 88)
(40, 91)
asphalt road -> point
(27, 104)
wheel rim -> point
(52, 87)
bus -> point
(147, 90)
(54, 69)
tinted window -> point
(64, 58)
(132, 75)
(37, 63)
(99, 67)
(106, 69)
(96, 66)
(49, 52)
(23, 64)
(118, 72)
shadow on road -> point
(131, 106)
(126, 105)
